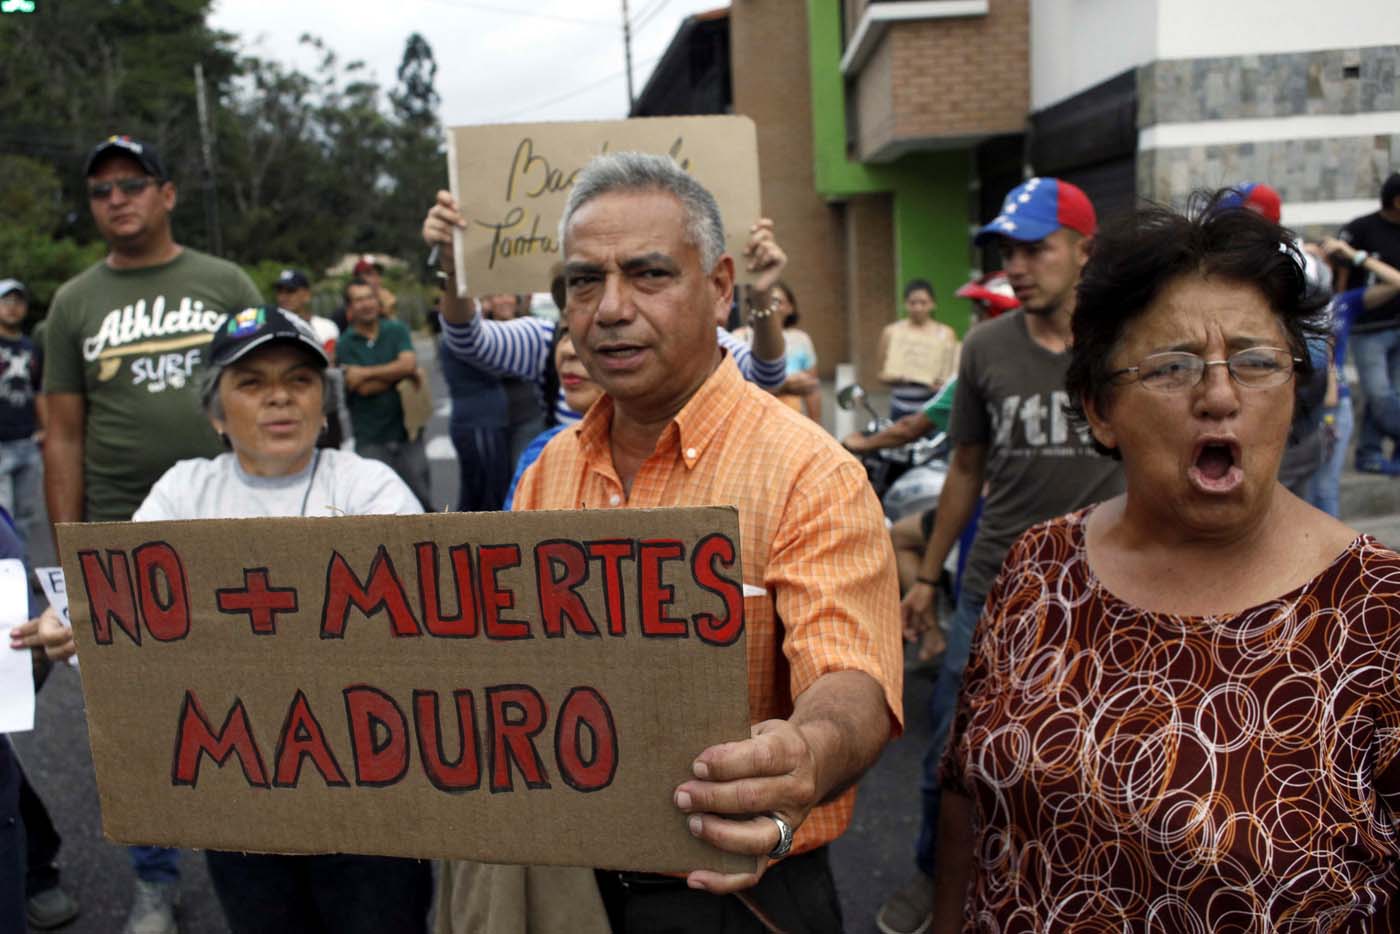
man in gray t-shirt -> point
(1011, 435)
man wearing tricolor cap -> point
(1010, 434)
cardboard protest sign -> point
(920, 357)
(525, 687)
(511, 180)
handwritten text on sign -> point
(381, 685)
(511, 181)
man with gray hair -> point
(647, 281)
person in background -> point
(521, 348)
(1375, 335)
(368, 269)
(1308, 442)
(375, 353)
(479, 426)
(802, 389)
(991, 295)
(21, 412)
(1014, 451)
(1180, 704)
(1338, 416)
(917, 354)
(523, 417)
(29, 879)
(47, 905)
(293, 291)
(265, 395)
(580, 392)
(121, 410)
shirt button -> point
(690, 453)
(614, 500)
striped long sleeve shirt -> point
(520, 348)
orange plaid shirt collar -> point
(692, 430)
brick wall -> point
(952, 79)
(870, 284)
(772, 84)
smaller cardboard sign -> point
(920, 356)
(505, 687)
(511, 181)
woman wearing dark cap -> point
(265, 395)
(1183, 704)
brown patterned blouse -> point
(1137, 771)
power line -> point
(646, 16)
(582, 89)
(507, 11)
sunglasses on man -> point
(131, 187)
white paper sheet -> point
(16, 668)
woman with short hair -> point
(265, 394)
(1183, 704)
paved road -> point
(873, 858)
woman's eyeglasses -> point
(131, 187)
(1255, 368)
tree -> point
(82, 70)
(31, 204)
(310, 162)
(417, 162)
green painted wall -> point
(929, 188)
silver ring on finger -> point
(784, 837)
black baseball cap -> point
(292, 279)
(243, 332)
(143, 153)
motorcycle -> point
(908, 478)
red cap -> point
(1257, 197)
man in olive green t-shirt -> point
(376, 354)
(125, 343)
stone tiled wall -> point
(1301, 170)
(1281, 85)
(1329, 82)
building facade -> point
(890, 129)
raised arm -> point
(766, 259)
(518, 348)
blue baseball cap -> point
(1038, 207)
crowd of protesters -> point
(1156, 400)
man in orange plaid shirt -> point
(647, 282)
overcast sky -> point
(498, 60)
